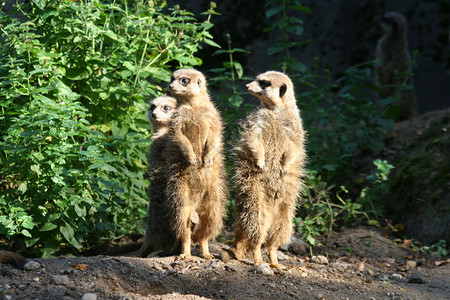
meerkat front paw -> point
(261, 163)
(185, 255)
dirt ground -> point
(360, 264)
(357, 263)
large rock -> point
(420, 185)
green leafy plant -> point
(228, 92)
(438, 249)
(75, 79)
(371, 196)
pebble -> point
(340, 266)
(89, 296)
(230, 268)
(264, 269)
(281, 255)
(411, 264)
(36, 279)
(397, 276)
(416, 278)
(31, 265)
(61, 279)
(319, 259)
(384, 278)
(370, 272)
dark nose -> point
(171, 87)
(247, 85)
(153, 115)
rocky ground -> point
(357, 263)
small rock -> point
(319, 259)
(36, 279)
(214, 263)
(61, 279)
(370, 272)
(320, 297)
(340, 266)
(411, 264)
(281, 255)
(264, 269)
(89, 296)
(397, 276)
(384, 278)
(416, 278)
(31, 265)
(297, 247)
(272, 285)
(230, 268)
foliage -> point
(74, 135)
(438, 249)
(371, 196)
(228, 94)
(291, 28)
(317, 213)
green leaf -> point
(68, 234)
(78, 73)
(273, 11)
(48, 226)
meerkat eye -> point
(264, 83)
(166, 108)
(185, 81)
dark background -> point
(341, 33)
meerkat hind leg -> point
(205, 250)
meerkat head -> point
(161, 110)
(272, 88)
(187, 84)
(393, 22)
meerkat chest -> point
(194, 127)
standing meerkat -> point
(393, 65)
(269, 165)
(158, 235)
(196, 173)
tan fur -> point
(269, 164)
(393, 69)
(159, 235)
(196, 168)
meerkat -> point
(158, 234)
(269, 165)
(196, 173)
(393, 65)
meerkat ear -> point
(283, 90)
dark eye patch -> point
(185, 81)
(152, 107)
(264, 83)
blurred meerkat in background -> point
(393, 65)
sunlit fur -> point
(159, 235)
(196, 170)
(269, 165)
(392, 57)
